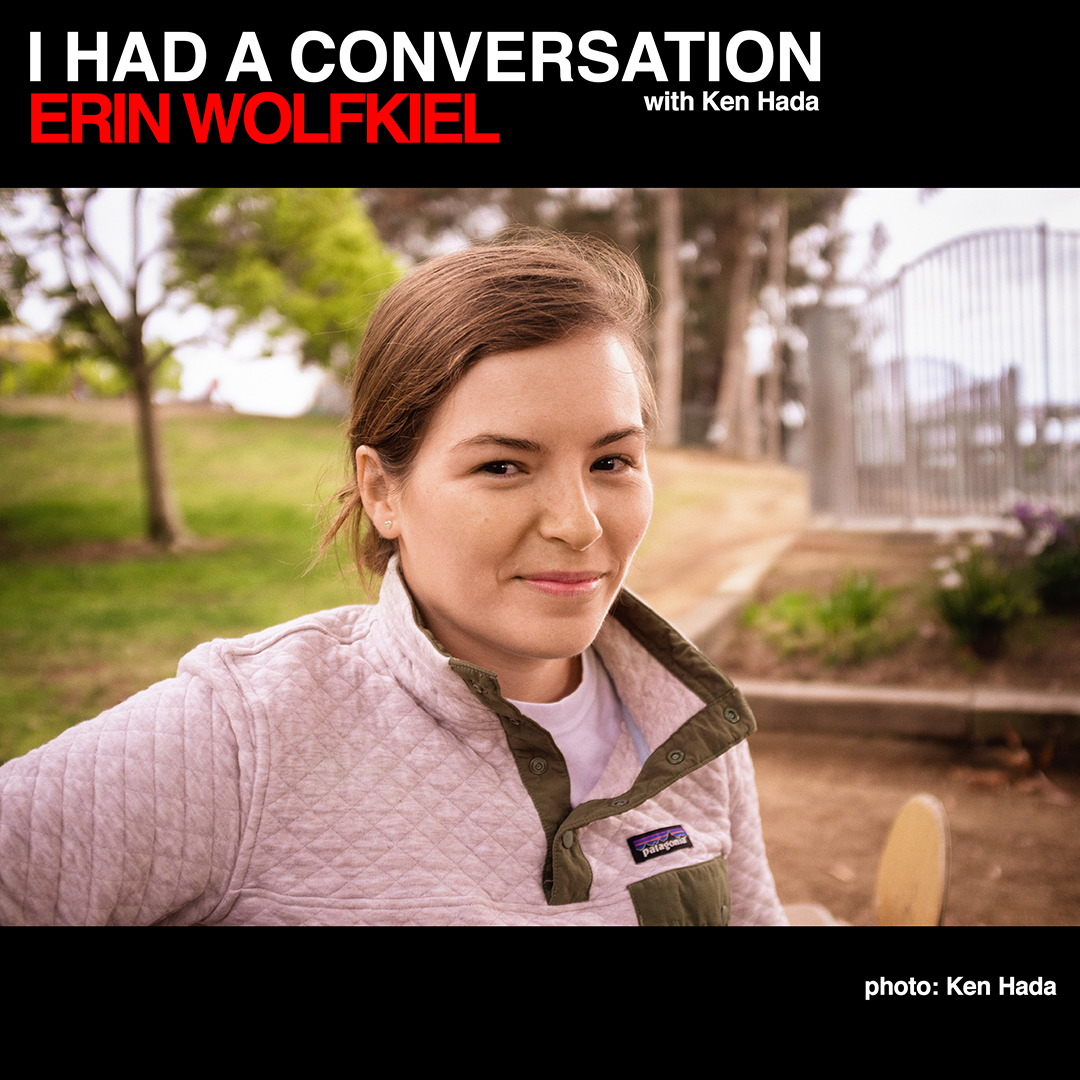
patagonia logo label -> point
(659, 842)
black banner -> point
(318, 101)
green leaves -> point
(16, 273)
(846, 626)
(294, 259)
(981, 596)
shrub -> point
(981, 594)
(856, 603)
(846, 626)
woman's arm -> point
(753, 891)
(129, 819)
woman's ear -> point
(375, 491)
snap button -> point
(731, 716)
(675, 756)
(568, 839)
(538, 765)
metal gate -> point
(955, 389)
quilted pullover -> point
(342, 769)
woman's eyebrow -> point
(531, 447)
(615, 436)
(487, 439)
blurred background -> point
(867, 475)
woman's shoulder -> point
(304, 636)
(345, 625)
(310, 642)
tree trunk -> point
(669, 342)
(164, 522)
(777, 309)
(732, 424)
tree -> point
(103, 309)
(774, 300)
(734, 421)
(734, 230)
(16, 273)
(669, 345)
(311, 256)
(301, 260)
(422, 222)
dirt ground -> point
(827, 802)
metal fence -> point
(955, 389)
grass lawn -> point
(84, 623)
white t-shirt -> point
(586, 725)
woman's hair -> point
(451, 312)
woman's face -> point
(523, 509)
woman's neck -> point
(540, 680)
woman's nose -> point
(568, 516)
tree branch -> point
(91, 256)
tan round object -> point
(913, 875)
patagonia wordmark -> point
(659, 842)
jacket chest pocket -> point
(686, 896)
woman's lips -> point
(557, 583)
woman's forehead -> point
(585, 384)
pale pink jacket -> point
(342, 769)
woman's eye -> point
(611, 464)
(500, 468)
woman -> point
(506, 737)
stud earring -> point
(387, 524)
